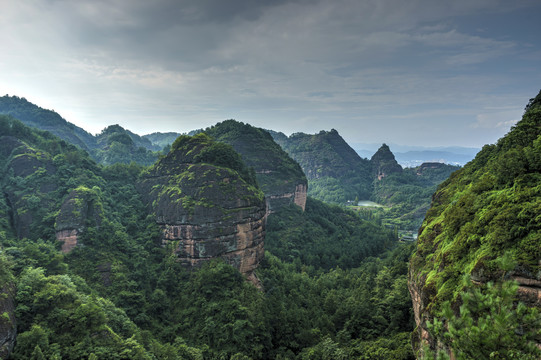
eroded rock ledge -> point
(206, 211)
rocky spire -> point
(384, 163)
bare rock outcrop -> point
(206, 210)
(81, 208)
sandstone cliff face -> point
(80, 208)
(206, 211)
(298, 197)
(420, 300)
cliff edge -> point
(489, 208)
(207, 204)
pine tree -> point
(489, 325)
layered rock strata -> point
(298, 197)
(80, 209)
(206, 211)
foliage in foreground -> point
(489, 325)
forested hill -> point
(84, 273)
(49, 120)
(483, 227)
(114, 144)
(118, 145)
(279, 176)
(336, 173)
(162, 140)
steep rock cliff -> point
(278, 175)
(384, 163)
(489, 207)
(207, 204)
(81, 208)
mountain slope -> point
(113, 145)
(489, 208)
(35, 116)
(118, 145)
(115, 291)
(336, 173)
(279, 176)
(42, 174)
(162, 139)
(207, 203)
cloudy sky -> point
(421, 72)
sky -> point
(416, 72)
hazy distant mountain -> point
(162, 139)
(113, 145)
(416, 158)
(413, 156)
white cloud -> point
(498, 118)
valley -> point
(236, 242)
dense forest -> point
(482, 231)
(338, 175)
(124, 296)
(113, 145)
(110, 250)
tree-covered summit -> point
(336, 173)
(201, 148)
(279, 176)
(276, 172)
(113, 145)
